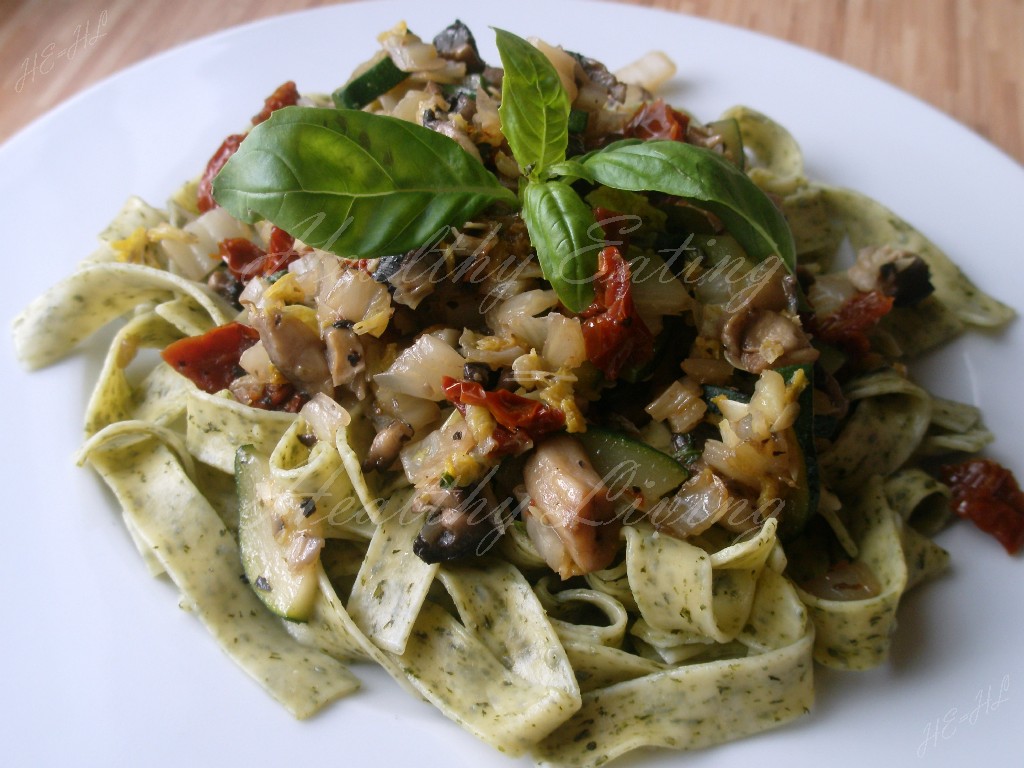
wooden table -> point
(964, 56)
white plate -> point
(98, 665)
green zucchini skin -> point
(380, 78)
(287, 591)
(624, 462)
(802, 504)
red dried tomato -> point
(521, 421)
(247, 260)
(849, 326)
(510, 410)
(204, 194)
(286, 95)
(211, 360)
(657, 120)
(987, 494)
(616, 226)
(614, 334)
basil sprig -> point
(534, 116)
(367, 185)
(354, 183)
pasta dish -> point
(588, 421)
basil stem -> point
(534, 109)
(562, 230)
(704, 178)
(354, 183)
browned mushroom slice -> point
(897, 273)
(386, 445)
(571, 519)
(296, 350)
(456, 42)
(346, 359)
(412, 275)
(759, 339)
(461, 522)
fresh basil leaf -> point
(613, 145)
(354, 183)
(706, 179)
(534, 109)
(562, 230)
(570, 170)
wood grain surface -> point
(966, 57)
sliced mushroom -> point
(346, 359)
(411, 276)
(768, 286)
(386, 445)
(898, 273)
(598, 74)
(758, 339)
(463, 105)
(571, 518)
(296, 350)
(461, 522)
(456, 42)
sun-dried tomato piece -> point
(616, 227)
(614, 334)
(204, 194)
(211, 359)
(246, 260)
(657, 120)
(987, 494)
(286, 95)
(511, 411)
(849, 326)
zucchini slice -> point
(625, 463)
(269, 525)
(379, 77)
(802, 503)
(578, 119)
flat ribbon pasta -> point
(778, 162)
(955, 427)
(188, 538)
(392, 583)
(870, 223)
(698, 705)
(919, 499)
(216, 425)
(855, 634)
(76, 307)
(889, 418)
(113, 398)
(497, 669)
